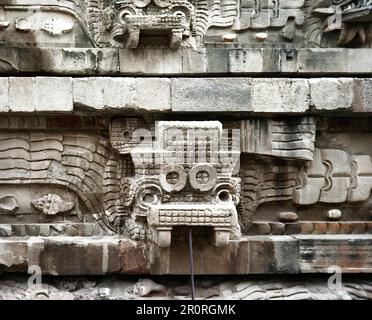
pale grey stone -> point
(88, 92)
(5, 230)
(362, 95)
(53, 94)
(211, 94)
(40, 94)
(331, 93)
(193, 61)
(151, 61)
(152, 94)
(280, 95)
(334, 60)
(245, 60)
(4, 95)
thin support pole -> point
(191, 261)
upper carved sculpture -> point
(186, 23)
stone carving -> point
(70, 160)
(335, 176)
(23, 24)
(51, 204)
(285, 139)
(56, 27)
(350, 19)
(172, 187)
(48, 24)
(265, 181)
(128, 22)
(189, 24)
(8, 204)
(285, 14)
(3, 23)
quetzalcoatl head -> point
(185, 178)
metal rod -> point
(191, 260)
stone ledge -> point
(233, 61)
(250, 255)
(352, 253)
(250, 95)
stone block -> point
(245, 60)
(150, 94)
(331, 93)
(4, 95)
(362, 95)
(134, 257)
(216, 60)
(150, 61)
(40, 94)
(280, 95)
(334, 60)
(9, 60)
(13, 255)
(5, 230)
(352, 253)
(153, 94)
(193, 61)
(211, 94)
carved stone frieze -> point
(150, 180)
(187, 23)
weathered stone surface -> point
(334, 60)
(188, 95)
(280, 95)
(318, 253)
(242, 61)
(155, 61)
(93, 61)
(40, 94)
(253, 255)
(4, 95)
(5, 230)
(275, 95)
(13, 255)
(76, 196)
(331, 94)
(122, 93)
(362, 95)
(287, 216)
(133, 258)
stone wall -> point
(124, 125)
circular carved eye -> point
(173, 178)
(224, 196)
(148, 195)
(149, 198)
(180, 14)
(203, 177)
(126, 12)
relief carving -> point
(8, 204)
(340, 23)
(152, 180)
(189, 23)
(172, 187)
(125, 23)
(52, 204)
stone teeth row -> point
(195, 213)
(194, 220)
